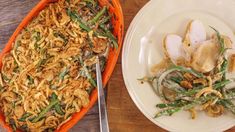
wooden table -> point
(123, 114)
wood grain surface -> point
(123, 114)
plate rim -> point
(129, 32)
(127, 39)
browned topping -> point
(100, 45)
(214, 110)
(186, 84)
(232, 63)
(188, 76)
(193, 113)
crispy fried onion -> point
(44, 67)
(208, 90)
(193, 113)
(212, 109)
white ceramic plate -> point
(143, 48)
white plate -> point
(143, 48)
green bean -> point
(227, 104)
(5, 78)
(181, 68)
(43, 52)
(167, 112)
(1, 88)
(230, 94)
(31, 80)
(52, 103)
(202, 100)
(13, 104)
(91, 80)
(88, 75)
(90, 42)
(53, 96)
(106, 19)
(16, 69)
(64, 73)
(23, 118)
(17, 45)
(98, 16)
(50, 130)
(73, 15)
(91, 8)
(58, 108)
(68, 1)
(76, 18)
(164, 75)
(176, 103)
(176, 79)
(222, 70)
(92, 2)
(216, 86)
(109, 35)
(65, 39)
(221, 84)
(81, 60)
(224, 66)
(36, 36)
(41, 62)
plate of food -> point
(178, 64)
(47, 78)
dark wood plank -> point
(12, 12)
(123, 114)
(90, 123)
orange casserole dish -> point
(117, 21)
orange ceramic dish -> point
(117, 20)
